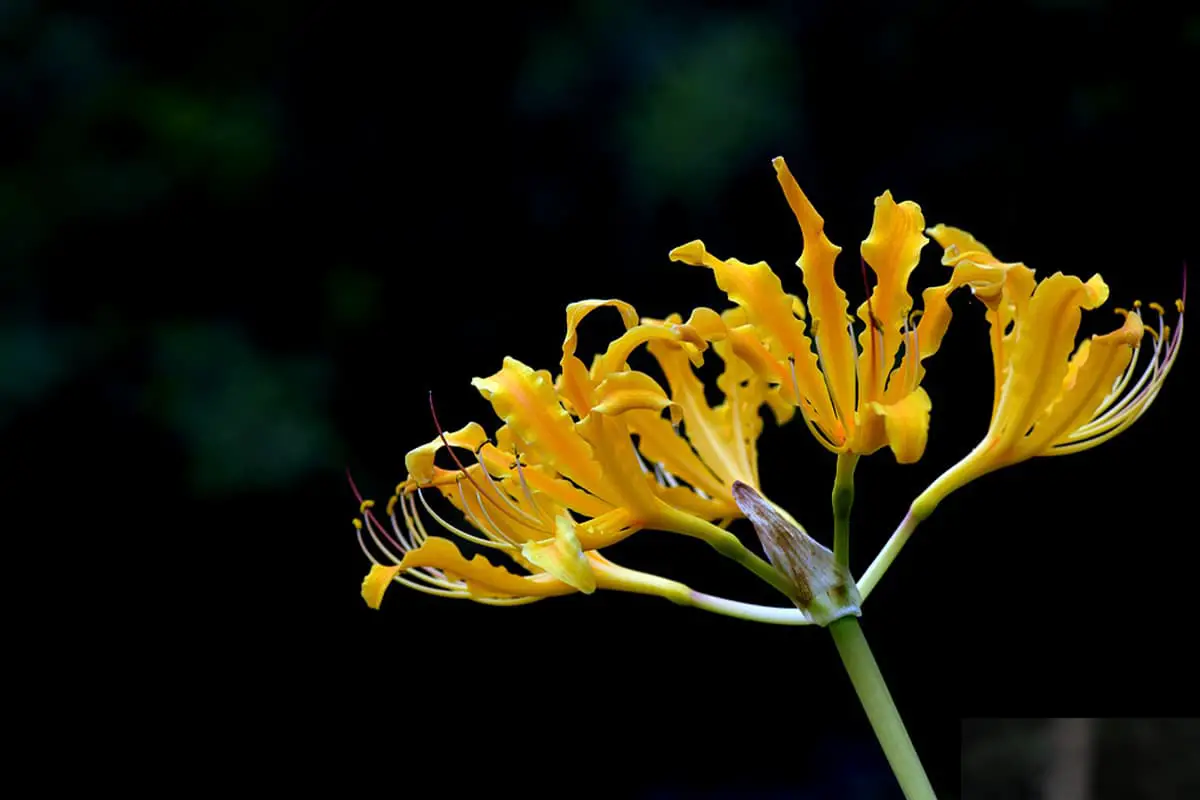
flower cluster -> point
(587, 457)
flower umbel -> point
(1052, 397)
(854, 396)
(565, 476)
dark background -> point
(242, 241)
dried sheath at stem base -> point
(821, 588)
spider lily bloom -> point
(1047, 400)
(434, 565)
(566, 450)
(849, 394)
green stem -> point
(727, 545)
(888, 554)
(843, 501)
(881, 710)
(746, 611)
(741, 554)
(954, 478)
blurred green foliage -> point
(250, 421)
(154, 153)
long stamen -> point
(492, 530)
(525, 488)
(914, 348)
(641, 461)
(1136, 401)
(487, 516)
(364, 507)
(532, 520)
(1122, 383)
(439, 586)
(372, 526)
(668, 476)
(1149, 374)
(470, 537)
(814, 429)
(412, 520)
(463, 469)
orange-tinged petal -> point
(483, 578)
(527, 402)
(907, 425)
(574, 384)
(419, 460)
(826, 301)
(562, 557)
(377, 582)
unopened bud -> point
(822, 588)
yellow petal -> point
(482, 577)
(826, 301)
(717, 506)
(419, 460)
(487, 510)
(907, 426)
(760, 294)
(707, 323)
(626, 391)
(616, 457)
(527, 402)
(1096, 366)
(562, 556)
(1044, 338)
(377, 582)
(607, 529)
(892, 251)
(986, 282)
(574, 384)
(614, 576)
(659, 443)
(541, 479)
(963, 244)
(710, 433)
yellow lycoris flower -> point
(566, 452)
(1047, 399)
(851, 395)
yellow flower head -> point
(852, 395)
(579, 463)
(1049, 400)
